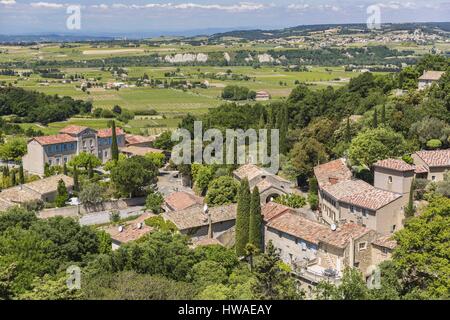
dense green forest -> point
(31, 106)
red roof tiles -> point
(435, 158)
(182, 200)
(341, 237)
(272, 210)
(394, 164)
(332, 172)
(73, 129)
(55, 139)
(105, 133)
(372, 198)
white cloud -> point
(7, 2)
(47, 5)
(100, 6)
(305, 7)
(239, 7)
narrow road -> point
(104, 216)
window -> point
(362, 246)
(106, 153)
(364, 212)
(65, 159)
(50, 161)
(352, 209)
(390, 179)
(433, 178)
(91, 142)
(304, 246)
(394, 227)
(385, 250)
(84, 144)
(58, 160)
(57, 147)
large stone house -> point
(343, 199)
(69, 142)
(316, 251)
(270, 186)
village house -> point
(69, 142)
(428, 78)
(181, 200)
(270, 186)
(195, 223)
(343, 199)
(316, 251)
(129, 231)
(44, 190)
(139, 141)
(432, 164)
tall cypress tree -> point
(65, 169)
(348, 132)
(90, 171)
(409, 210)
(255, 228)
(21, 175)
(76, 183)
(375, 119)
(383, 114)
(114, 147)
(243, 217)
(12, 175)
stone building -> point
(69, 142)
(428, 78)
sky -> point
(115, 17)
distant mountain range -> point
(217, 33)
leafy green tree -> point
(422, 252)
(131, 176)
(157, 158)
(47, 288)
(273, 278)
(160, 224)
(305, 155)
(215, 292)
(92, 194)
(256, 224)
(13, 149)
(202, 178)
(225, 257)
(375, 119)
(383, 114)
(85, 160)
(222, 191)
(105, 242)
(7, 275)
(243, 217)
(16, 217)
(62, 194)
(207, 273)
(376, 144)
(154, 202)
(114, 147)
(352, 287)
(164, 141)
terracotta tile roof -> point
(73, 129)
(49, 184)
(35, 190)
(420, 169)
(394, 164)
(300, 227)
(263, 185)
(249, 171)
(346, 188)
(131, 231)
(139, 151)
(19, 195)
(182, 200)
(194, 217)
(435, 158)
(105, 133)
(385, 241)
(431, 75)
(372, 199)
(54, 139)
(272, 210)
(341, 237)
(136, 139)
(332, 172)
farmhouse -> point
(428, 78)
(262, 96)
